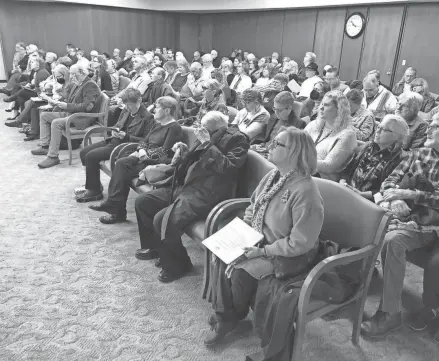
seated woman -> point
(363, 119)
(253, 69)
(178, 72)
(31, 89)
(241, 81)
(311, 105)
(287, 209)
(213, 99)
(227, 68)
(155, 148)
(375, 160)
(333, 135)
(253, 118)
(420, 86)
(134, 124)
(264, 77)
(99, 73)
(159, 60)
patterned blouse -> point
(364, 124)
(371, 166)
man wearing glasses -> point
(377, 99)
(411, 194)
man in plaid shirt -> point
(421, 164)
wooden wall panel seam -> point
(398, 46)
(342, 40)
(363, 43)
(315, 30)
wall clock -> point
(355, 25)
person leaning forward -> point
(204, 176)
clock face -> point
(355, 25)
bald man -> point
(194, 85)
(116, 55)
(377, 99)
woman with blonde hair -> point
(333, 135)
(374, 161)
(287, 208)
(420, 86)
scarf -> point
(274, 184)
(269, 87)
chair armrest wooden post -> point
(77, 115)
(124, 148)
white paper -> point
(229, 242)
(294, 87)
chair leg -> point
(206, 274)
(69, 144)
(299, 336)
(358, 317)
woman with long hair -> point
(333, 135)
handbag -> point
(290, 267)
(157, 176)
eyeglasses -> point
(432, 127)
(278, 110)
(275, 143)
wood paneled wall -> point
(52, 25)
(393, 33)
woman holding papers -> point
(287, 209)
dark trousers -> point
(25, 115)
(232, 296)
(90, 158)
(430, 297)
(125, 170)
(35, 119)
(151, 209)
(113, 115)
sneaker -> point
(40, 151)
(421, 319)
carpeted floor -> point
(71, 289)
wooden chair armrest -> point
(224, 210)
(82, 115)
(91, 131)
(124, 148)
(327, 265)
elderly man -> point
(408, 108)
(157, 87)
(216, 61)
(312, 78)
(194, 85)
(411, 193)
(116, 55)
(204, 176)
(377, 99)
(333, 79)
(82, 98)
(363, 120)
(283, 116)
(276, 85)
(308, 59)
(403, 85)
(126, 64)
(140, 82)
(207, 67)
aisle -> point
(71, 289)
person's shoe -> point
(40, 151)
(49, 162)
(103, 207)
(157, 263)
(111, 219)
(421, 319)
(218, 330)
(167, 277)
(13, 124)
(31, 137)
(89, 196)
(13, 117)
(9, 110)
(8, 99)
(147, 254)
(381, 324)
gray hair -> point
(399, 126)
(216, 120)
(81, 67)
(207, 57)
(312, 56)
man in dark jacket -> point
(157, 88)
(83, 98)
(204, 176)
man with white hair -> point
(216, 61)
(408, 109)
(204, 176)
(140, 81)
(206, 59)
(194, 84)
(116, 55)
(377, 99)
(308, 59)
(50, 58)
(82, 98)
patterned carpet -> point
(71, 289)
